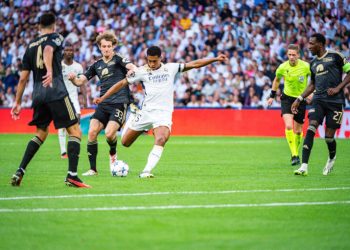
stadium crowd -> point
(254, 34)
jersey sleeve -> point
(123, 61)
(26, 61)
(80, 69)
(136, 76)
(346, 65)
(90, 72)
(176, 67)
(280, 72)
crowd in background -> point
(253, 34)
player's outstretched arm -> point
(204, 62)
(77, 80)
(114, 89)
(16, 109)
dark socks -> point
(307, 146)
(73, 149)
(92, 154)
(112, 146)
(32, 147)
(332, 147)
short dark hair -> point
(47, 19)
(319, 38)
(154, 51)
(293, 47)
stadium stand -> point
(253, 33)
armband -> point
(273, 94)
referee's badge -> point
(301, 78)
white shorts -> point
(76, 105)
(146, 120)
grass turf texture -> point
(188, 165)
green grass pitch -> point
(209, 193)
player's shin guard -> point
(73, 154)
(291, 141)
(32, 147)
(308, 143)
(332, 146)
(92, 154)
(112, 146)
(153, 158)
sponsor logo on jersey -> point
(319, 68)
(327, 59)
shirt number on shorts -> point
(119, 114)
(338, 115)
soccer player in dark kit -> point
(109, 115)
(327, 83)
(50, 99)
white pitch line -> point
(168, 207)
(171, 193)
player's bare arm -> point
(16, 109)
(114, 89)
(345, 82)
(131, 66)
(48, 56)
(77, 80)
(308, 91)
(275, 85)
(204, 62)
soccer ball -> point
(119, 169)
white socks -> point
(62, 139)
(153, 158)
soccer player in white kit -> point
(69, 66)
(156, 111)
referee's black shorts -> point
(61, 112)
(286, 105)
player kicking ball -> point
(157, 108)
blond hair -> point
(108, 36)
(293, 47)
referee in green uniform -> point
(295, 73)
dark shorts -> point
(332, 111)
(286, 105)
(61, 112)
(106, 113)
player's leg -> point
(117, 114)
(62, 134)
(316, 115)
(64, 116)
(289, 133)
(334, 116)
(95, 128)
(41, 119)
(32, 147)
(161, 136)
(111, 138)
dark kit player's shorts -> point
(110, 112)
(286, 105)
(61, 112)
(332, 111)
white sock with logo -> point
(153, 158)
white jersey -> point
(71, 88)
(158, 85)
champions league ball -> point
(119, 169)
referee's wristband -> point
(300, 98)
(273, 94)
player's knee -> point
(161, 140)
(289, 127)
(92, 134)
(110, 136)
(125, 143)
